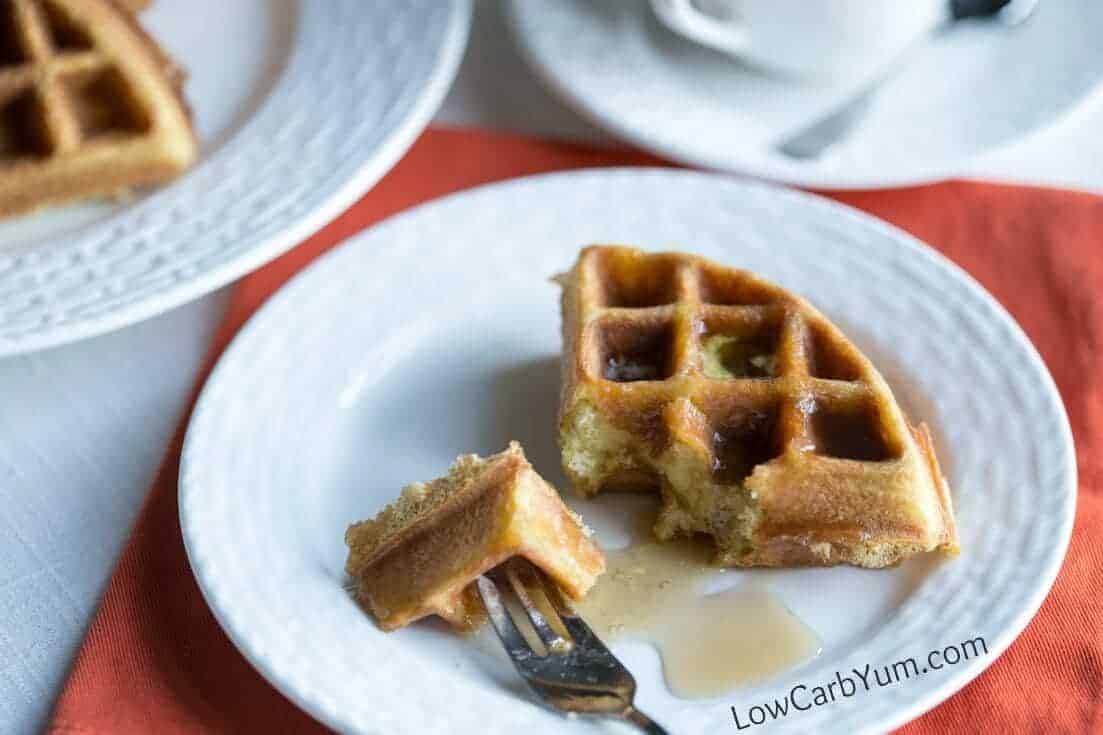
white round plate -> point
(969, 91)
(437, 333)
(299, 106)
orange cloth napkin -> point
(155, 660)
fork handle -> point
(643, 722)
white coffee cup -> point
(804, 37)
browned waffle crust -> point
(421, 554)
(89, 104)
(758, 422)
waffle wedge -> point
(750, 413)
(420, 556)
(89, 104)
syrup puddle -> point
(709, 643)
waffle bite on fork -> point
(423, 553)
(750, 413)
(89, 104)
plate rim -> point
(289, 290)
(374, 166)
(938, 170)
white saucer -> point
(300, 107)
(979, 87)
(437, 333)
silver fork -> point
(577, 674)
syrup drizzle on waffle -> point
(767, 378)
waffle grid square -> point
(57, 90)
(791, 387)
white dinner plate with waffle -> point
(968, 91)
(299, 108)
(436, 333)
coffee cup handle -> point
(680, 16)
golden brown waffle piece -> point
(758, 422)
(420, 555)
(89, 105)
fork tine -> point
(515, 570)
(575, 625)
(516, 645)
(586, 678)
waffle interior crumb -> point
(417, 500)
(420, 555)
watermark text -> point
(803, 697)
